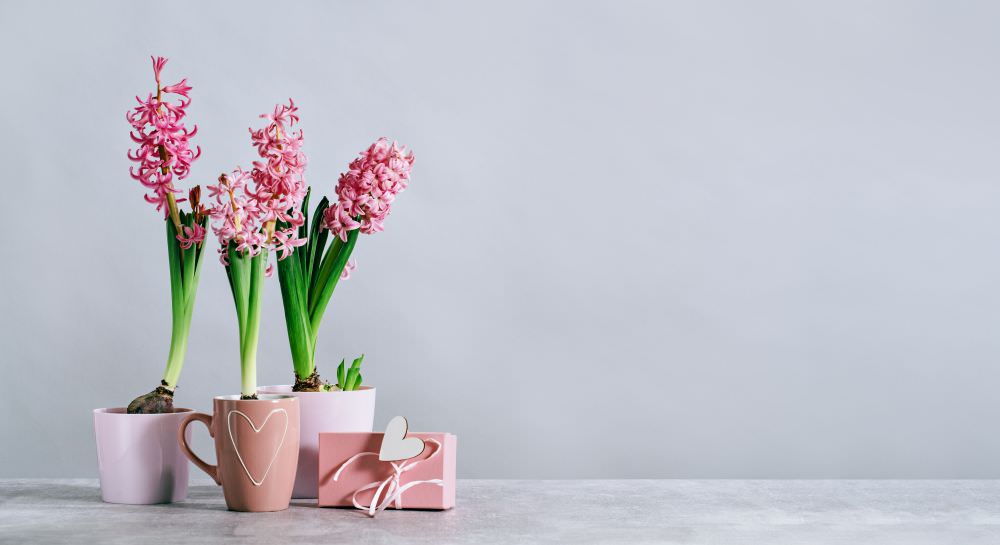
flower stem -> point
(184, 275)
(172, 207)
(251, 335)
(164, 156)
(178, 348)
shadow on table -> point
(347, 511)
(193, 506)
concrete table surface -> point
(575, 512)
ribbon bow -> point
(393, 490)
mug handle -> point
(213, 471)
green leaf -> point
(188, 262)
(304, 228)
(317, 244)
(188, 256)
(201, 252)
(341, 376)
(174, 258)
(356, 364)
(178, 330)
(329, 275)
(353, 379)
(239, 282)
(302, 254)
(192, 289)
(293, 299)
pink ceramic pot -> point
(138, 459)
(325, 412)
(256, 449)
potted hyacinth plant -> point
(138, 460)
(254, 213)
(257, 212)
(364, 197)
(163, 153)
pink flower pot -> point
(325, 412)
(138, 459)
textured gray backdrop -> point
(643, 239)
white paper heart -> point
(229, 422)
(395, 445)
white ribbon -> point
(394, 492)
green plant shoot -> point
(348, 379)
(308, 279)
(246, 280)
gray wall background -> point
(643, 239)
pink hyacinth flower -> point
(286, 241)
(190, 236)
(366, 191)
(164, 148)
(249, 205)
(348, 269)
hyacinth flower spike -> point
(163, 155)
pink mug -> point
(256, 449)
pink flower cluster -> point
(234, 215)
(189, 236)
(279, 177)
(247, 215)
(366, 191)
(163, 141)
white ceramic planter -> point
(325, 412)
(138, 458)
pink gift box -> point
(350, 473)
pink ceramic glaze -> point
(138, 458)
(350, 472)
(325, 412)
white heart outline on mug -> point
(229, 426)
